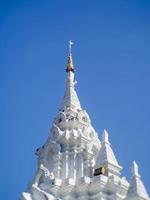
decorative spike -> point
(135, 169)
(105, 137)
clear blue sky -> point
(112, 59)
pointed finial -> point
(70, 66)
(70, 46)
(135, 169)
(105, 137)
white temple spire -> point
(70, 99)
(73, 164)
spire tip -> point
(70, 66)
(70, 46)
(105, 136)
(135, 169)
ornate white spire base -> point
(85, 188)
